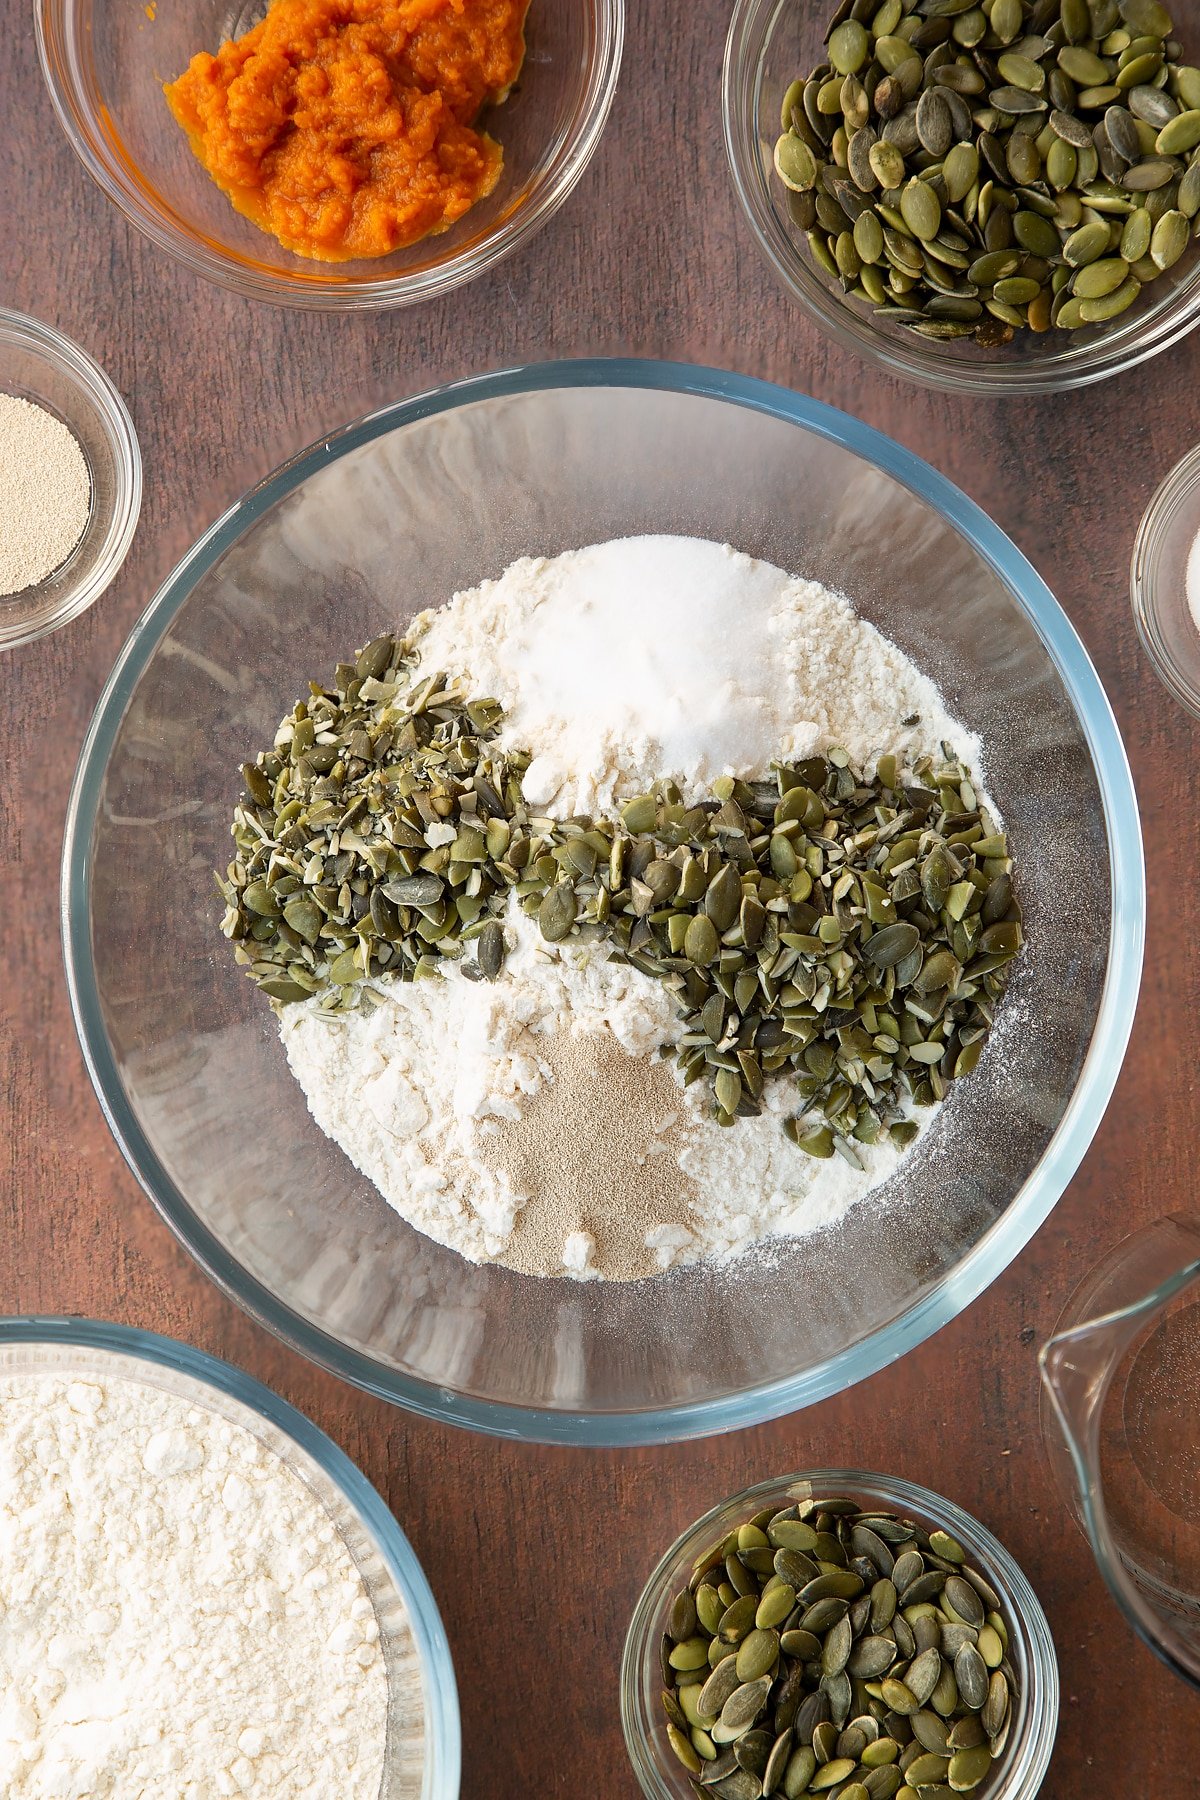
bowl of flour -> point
(201, 1594)
(658, 573)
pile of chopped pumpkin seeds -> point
(853, 932)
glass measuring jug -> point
(1121, 1418)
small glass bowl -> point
(105, 63)
(1158, 582)
(422, 1760)
(771, 42)
(38, 363)
(1031, 1648)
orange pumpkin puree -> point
(345, 128)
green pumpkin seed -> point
(1135, 236)
(868, 237)
(921, 209)
(556, 914)
(777, 1762)
(1180, 135)
(739, 1616)
(968, 1768)
(849, 47)
(1017, 290)
(640, 813)
(1035, 234)
(1147, 177)
(1021, 72)
(1083, 66)
(931, 1732)
(871, 1657)
(683, 1749)
(966, 1733)
(971, 1675)
(964, 1601)
(1146, 18)
(757, 1653)
(681, 1620)
(887, 164)
(995, 1707)
(1111, 305)
(927, 1771)
(900, 1698)
(1189, 190)
(831, 1774)
(838, 1645)
(1086, 244)
(801, 1768)
(923, 1674)
(691, 1654)
(792, 99)
(960, 172)
(1100, 278)
(1170, 239)
(716, 1690)
(776, 1604)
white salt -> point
(680, 657)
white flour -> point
(179, 1617)
(408, 1087)
(668, 656)
(616, 664)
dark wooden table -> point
(536, 1556)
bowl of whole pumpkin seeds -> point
(843, 1635)
(985, 195)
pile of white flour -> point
(179, 1617)
(411, 1088)
(618, 664)
(670, 656)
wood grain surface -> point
(537, 1555)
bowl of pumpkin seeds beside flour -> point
(842, 1635)
(986, 195)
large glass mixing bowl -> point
(395, 513)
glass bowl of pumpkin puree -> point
(334, 153)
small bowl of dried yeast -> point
(70, 480)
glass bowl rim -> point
(1172, 491)
(853, 330)
(443, 1735)
(1027, 1612)
(318, 290)
(86, 377)
(1028, 1208)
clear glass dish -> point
(1119, 1417)
(397, 512)
(38, 363)
(770, 43)
(1031, 1648)
(1159, 582)
(424, 1744)
(105, 62)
